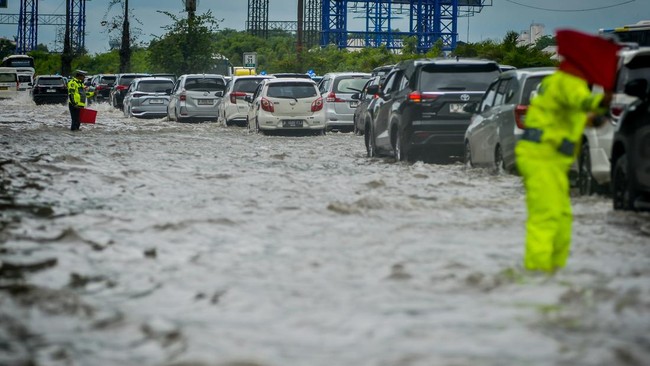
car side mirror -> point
(637, 88)
(470, 108)
(218, 93)
(356, 96)
(168, 91)
(249, 98)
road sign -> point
(250, 59)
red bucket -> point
(87, 115)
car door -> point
(254, 106)
(173, 98)
(492, 125)
(126, 103)
(382, 109)
(479, 126)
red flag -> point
(594, 57)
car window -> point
(126, 80)
(530, 85)
(488, 97)
(154, 86)
(51, 81)
(404, 82)
(204, 84)
(457, 77)
(257, 91)
(636, 69)
(246, 85)
(501, 92)
(349, 84)
(291, 90)
(387, 88)
(324, 85)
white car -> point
(233, 108)
(147, 97)
(286, 104)
(592, 168)
(196, 97)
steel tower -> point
(258, 18)
(29, 20)
(429, 21)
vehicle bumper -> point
(446, 136)
(149, 111)
(268, 123)
(45, 98)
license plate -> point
(354, 104)
(292, 123)
(157, 101)
(457, 107)
(204, 101)
(51, 90)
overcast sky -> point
(492, 23)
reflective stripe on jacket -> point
(76, 93)
(560, 108)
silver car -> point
(147, 97)
(499, 119)
(337, 89)
(196, 97)
(233, 109)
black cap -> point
(80, 72)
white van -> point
(8, 82)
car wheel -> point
(499, 164)
(468, 155)
(371, 147)
(401, 154)
(622, 192)
(586, 182)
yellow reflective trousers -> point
(548, 228)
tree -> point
(187, 47)
(7, 48)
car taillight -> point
(234, 95)
(616, 110)
(331, 97)
(317, 105)
(267, 105)
(100, 87)
(418, 97)
(121, 87)
(182, 97)
(520, 115)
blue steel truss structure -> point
(429, 21)
(28, 21)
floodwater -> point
(149, 242)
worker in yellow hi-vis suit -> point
(554, 122)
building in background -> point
(531, 35)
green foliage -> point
(6, 48)
(187, 47)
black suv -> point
(101, 85)
(49, 89)
(421, 109)
(118, 91)
(630, 162)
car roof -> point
(347, 73)
(253, 77)
(152, 78)
(284, 80)
(450, 61)
(50, 76)
(530, 71)
(203, 75)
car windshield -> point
(246, 85)
(292, 90)
(127, 79)
(107, 80)
(457, 77)
(204, 84)
(51, 81)
(350, 84)
(155, 86)
(7, 78)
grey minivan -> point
(337, 89)
(500, 117)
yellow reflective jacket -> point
(560, 108)
(77, 93)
